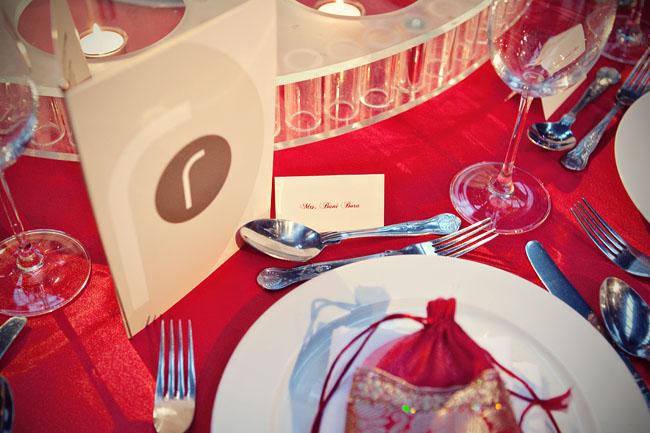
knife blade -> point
(8, 332)
(557, 284)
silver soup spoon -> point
(558, 135)
(289, 240)
(626, 316)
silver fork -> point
(609, 242)
(173, 410)
(635, 85)
(453, 245)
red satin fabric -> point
(75, 370)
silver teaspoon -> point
(558, 136)
(626, 316)
(289, 240)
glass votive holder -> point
(278, 112)
(377, 83)
(52, 124)
(341, 95)
(303, 105)
(438, 59)
(411, 69)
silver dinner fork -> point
(173, 410)
(453, 245)
(609, 242)
(635, 85)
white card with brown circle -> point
(325, 203)
(176, 148)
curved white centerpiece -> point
(335, 73)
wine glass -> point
(40, 270)
(630, 37)
(537, 48)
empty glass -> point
(539, 48)
(40, 270)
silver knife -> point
(8, 332)
(559, 286)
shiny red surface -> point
(75, 370)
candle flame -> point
(96, 28)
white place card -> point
(550, 104)
(325, 203)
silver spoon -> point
(6, 407)
(558, 135)
(626, 317)
(289, 240)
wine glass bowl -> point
(540, 48)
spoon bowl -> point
(558, 136)
(626, 316)
(6, 407)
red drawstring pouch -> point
(436, 380)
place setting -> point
(285, 236)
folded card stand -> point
(176, 147)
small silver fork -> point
(173, 410)
(635, 85)
(609, 242)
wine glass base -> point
(626, 43)
(63, 274)
(521, 211)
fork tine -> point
(631, 79)
(171, 383)
(621, 242)
(160, 376)
(180, 390)
(449, 250)
(191, 374)
(599, 243)
(475, 246)
(459, 235)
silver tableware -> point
(635, 85)
(626, 316)
(558, 136)
(6, 407)
(451, 245)
(9, 331)
(289, 240)
(609, 242)
(173, 409)
(558, 285)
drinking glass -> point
(630, 37)
(537, 47)
(40, 270)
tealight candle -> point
(102, 41)
(339, 7)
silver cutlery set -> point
(557, 136)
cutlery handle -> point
(279, 278)
(440, 224)
(577, 158)
(596, 88)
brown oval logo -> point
(193, 178)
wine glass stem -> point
(502, 185)
(28, 258)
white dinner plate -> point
(273, 379)
(632, 150)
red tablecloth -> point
(75, 370)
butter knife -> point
(556, 283)
(8, 332)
